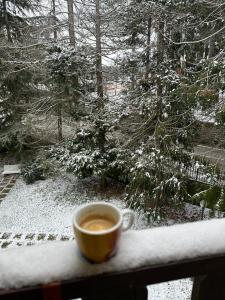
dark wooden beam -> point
(107, 283)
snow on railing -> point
(144, 257)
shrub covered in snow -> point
(220, 117)
(83, 157)
(212, 197)
(153, 178)
(32, 172)
(69, 69)
(15, 137)
(39, 169)
(155, 181)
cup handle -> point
(131, 217)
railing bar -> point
(138, 277)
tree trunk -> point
(133, 81)
(59, 106)
(72, 42)
(211, 47)
(148, 50)
(160, 54)
(59, 121)
(71, 23)
(133, 75)
(5, 13)
(99, 77)
(183, 62)
(99, 56)
(54, 21)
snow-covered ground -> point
(171, 290)
(48, 206)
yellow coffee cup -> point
(96, 242)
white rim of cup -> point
(100, 232)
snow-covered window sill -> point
(144, 257)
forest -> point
(119, 90)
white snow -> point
(56, 261)
(204, 118)
(172, 290)
(11, 169)
(48, 206)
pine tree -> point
(13, 18)
(16, 73)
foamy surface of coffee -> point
(97, 224)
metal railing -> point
(199, 175)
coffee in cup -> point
(97, 223)
(97, 228)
